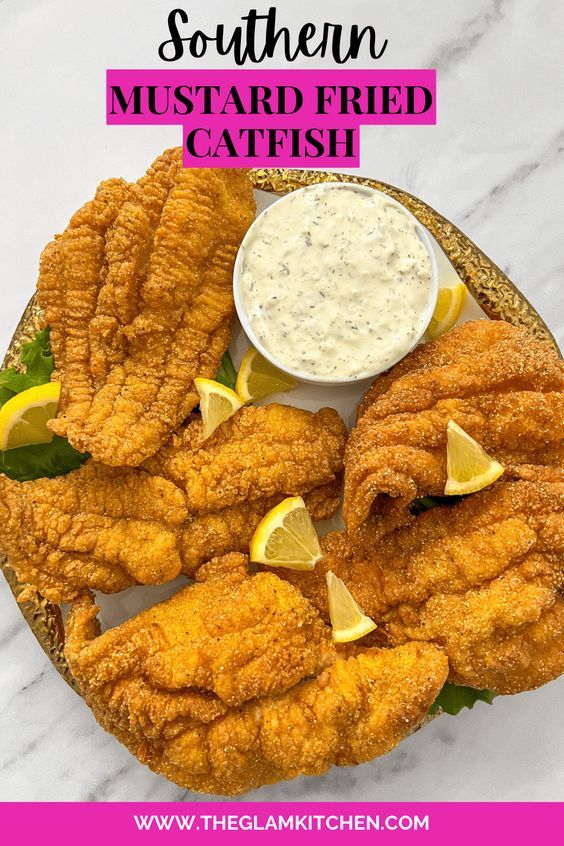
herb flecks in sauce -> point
(336, 282)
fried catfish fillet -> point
(138, 294)
(231, 529)
(249, 465)
(230, 635)
(501, 386)
(257, 453)
(98, 527)
(356, 710)
(109, 528)
(211, 689)
(484, 579)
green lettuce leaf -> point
(37, 358)
(424, 503)
(453, 698)
(227, 374)
(38, 460)
(38, 362)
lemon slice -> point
(23, 419)
(286, 537)
(258, 378)
(469, 467)
(447, 310)
(347, 617)
(217, 404)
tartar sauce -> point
(335, 282)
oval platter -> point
(492, 291)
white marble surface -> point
(493, 165)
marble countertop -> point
(493, 165)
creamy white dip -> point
(335, 282)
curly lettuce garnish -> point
(453, 698)
(227, 374)
(37, 460)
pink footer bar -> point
(251, 822)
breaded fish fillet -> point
(356, 710)
(236, 637)
(98, 527)
(231, 529)
(257, 453)
(501, 386)
(252, 462)
(109, 528)
(138, 294)
(205, 687)
(484, 579)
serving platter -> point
(493, 295)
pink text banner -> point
(261, 118)
(439, 824)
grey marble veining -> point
(493, 165)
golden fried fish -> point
(109, 528)
(99, 527)
(231, 529)
(138, 294)
(483, 579)
(234, 683)
(257, 453)
(505, 389)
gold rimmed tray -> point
(492, 290)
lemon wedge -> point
(258, 378)
(348, 620)
(217, 404)
(286, 537)
(469, 467)
(23, 419)
(447, 310)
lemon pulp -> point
(469, 467)
(348, 620)
(447, 310)
(258, 378)
(24, 418)
(217, 404)
(286, 537)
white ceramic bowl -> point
(309, 377)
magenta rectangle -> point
(439, 824)
(279, 104)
